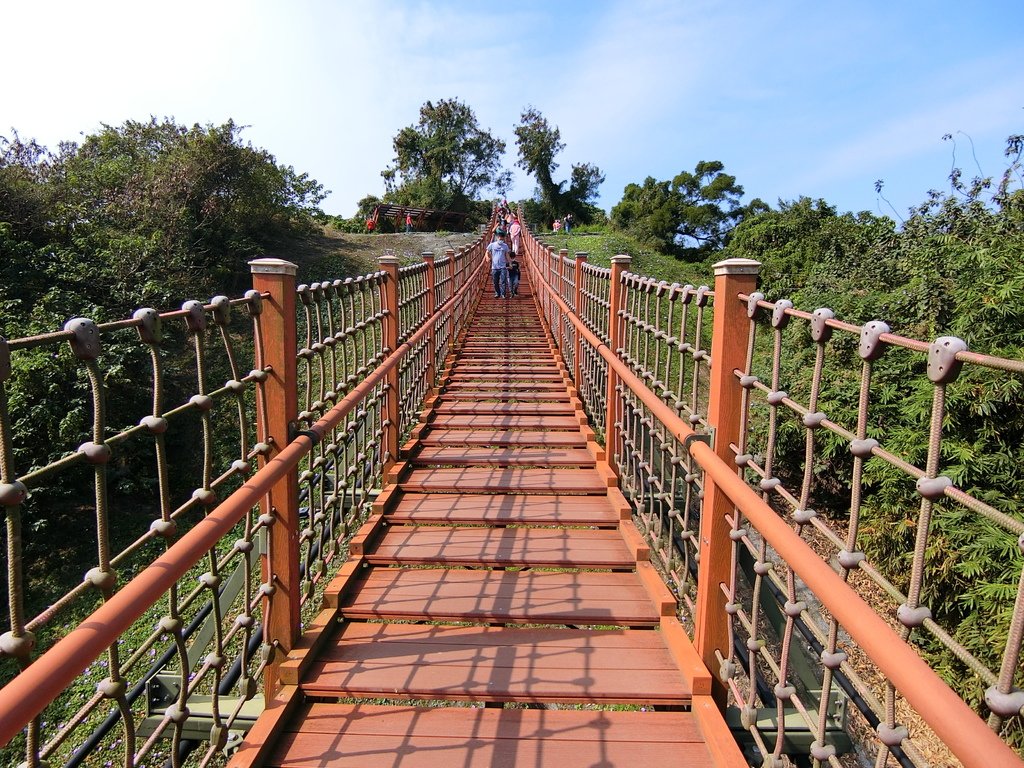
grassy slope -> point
(334, 254)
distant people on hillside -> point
(556, 226)
(408, 222)
(567, 222)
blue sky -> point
(795, 98)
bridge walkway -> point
(499, 608)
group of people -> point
(505, 270)
(563, 223)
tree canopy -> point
(952, 268)
(446, 160)
(539, 143)
(142, 213)
(692, 215)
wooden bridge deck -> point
(498, 609)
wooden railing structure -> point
(356, 389)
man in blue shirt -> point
(498, 250)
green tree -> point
(539, 143)
(692, 216)
(446, 160)
(143, 213)
(806, 246)
(648, 212)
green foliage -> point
(692, 216)
(601, 243)
(539, 143)
(806, 246)
(147, 213)
(445, 161)
(953, 268)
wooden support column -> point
(389, 300)
(577, 307)
(728, 353)
(277, 412)
(616, 302)
(430, 309)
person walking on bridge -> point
(514, 275)
(515, 232)
(498, 250)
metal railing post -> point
(430, 309)
(563, 255)
(449, 291)
(616, 303)
(389, 265)
(577, 307)
(728, 353)
(277, 413)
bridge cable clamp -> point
(699, 437)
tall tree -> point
(539, 143)
(691, 216)
(710, 206)
(446, 160)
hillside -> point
(333, 254)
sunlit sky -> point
(795, 97)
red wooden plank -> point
(537, 547)
(504, 457)
(509, 509)
(502, 437)
(506, 383)
(368, 736)
(426, 634)
(565, 724)
(484, 373)
(537, 372)
(503, 596)
(507, 421)
(505, 395)
(506, 479)
(501, 664)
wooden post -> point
(577, 307)
(277, 412)
(389, 299)
(431, 308)
(728, 352)
(616, 302)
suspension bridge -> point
(423, 525)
